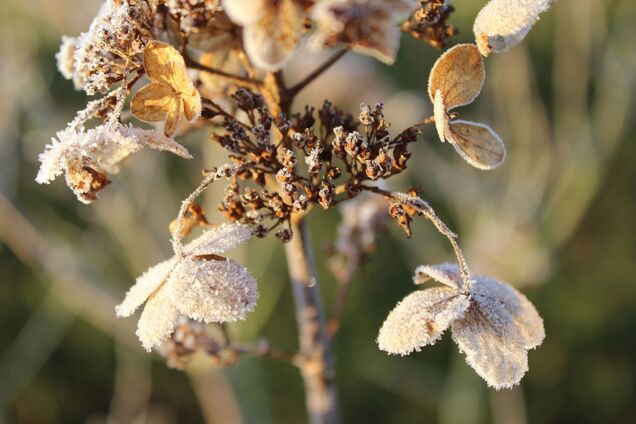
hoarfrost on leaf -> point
(219, 239)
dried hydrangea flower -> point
(370, 27)
(109, 50)
(501, 24)
(456, 80)
(271, 29)
(86, 156)
(65, 58)
(196, 283)
(170, 94)
(492, 323)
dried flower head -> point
(456, 80)
(271, 29)
(196, 283)
(86, 156)
(370, 27)
(493, 324)
(110, 50)
(171, 94)
(501, 24)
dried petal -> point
(145, 285)
(271, 30)
(171, 92)
(447, 273)
(213, 290)
(158, 319)
(501, 24)
(420, 319)
(458, 74)
(495, 335)
(219, 239)
(442, 121)
(477, 143)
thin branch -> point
(294, 90)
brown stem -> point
(316, 364)
(292, 91)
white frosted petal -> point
(219, 239)
(420, 319)
(145, 285)
(158, 319)
(501, 24)
(213, 290)
(447, 273)
(442, 123)
(495, 334)
(245, 12)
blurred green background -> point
(556, 220)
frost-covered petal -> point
(219, 239)
(496, 359)
(213, 290)
(458, 74)
(495, 335)
(447, 273)
(157, 320)
(501, 24)
(145, 285)
(528, 322)
(245, 12)
(420, 319)
(477, 143)
(442, 121)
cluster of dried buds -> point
(311, 158)
(428, 23)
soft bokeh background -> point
(557, 220)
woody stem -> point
(317, 362)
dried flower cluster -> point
(217, 64)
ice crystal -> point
(83, 155)
(492, 323)
(501, 24)
(197, 283)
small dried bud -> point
(284, 235)
(334, 173)
(301, 204)
(326, 194)
(396, 211)
(260, 231)
(284, 175)
(289, 158)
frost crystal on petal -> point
(447, 273)
(213, 290)
(420, 319)
(219, 239)
(158, 320)
(145, 285)
(497, 331)
(85, 156)
(501, 24)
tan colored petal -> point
(448, 274)
(145, 285)
(213, 290)
(246, 12)
(219, 239)
(158, 319)
(153, 102)
(173, 117)
(420, 319)
(271, 41)
(442, 121)
(479, 145)
(458, 74)
(164, 64)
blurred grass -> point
(558, 217)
